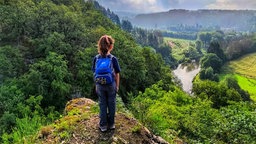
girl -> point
(107, 92)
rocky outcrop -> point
(80, 126)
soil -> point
(86, 131)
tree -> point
(166, 53)
(208, 73)
(153, 40)
(11, 62)
(126, 25)
(219, 94)
(236, 48)
(211, 60)
(140, 35)
(54, 42)
(200, 122)
(216, 49)
(115, 19)
(232, 82)
(111, 15)
(10, 96)
(83, 75)
(49, 78)
(192, 53)
(155, 69)
(160, 109)
(205, 38)
(7, 122)
(199, 46)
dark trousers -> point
(107, 103)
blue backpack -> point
(104, 72)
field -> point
(244, 69)
(178, 46)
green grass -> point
(247, 84)
(244, 69)
(178, 46)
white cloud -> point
(145, 6)
(233, 4)
(131, 5)
(142, 5)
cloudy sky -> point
(145, 6)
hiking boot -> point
(103, 129)
(112, 127)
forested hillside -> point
(182, 20)
(46, 52)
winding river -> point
(186, 74)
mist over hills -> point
(126, 15)
(238, 20)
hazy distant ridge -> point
(241, 20)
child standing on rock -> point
(106, 71)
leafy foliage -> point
(48, 78)
(11, 65)
(239, 46)
(46, 53)
(211, 60)
(126, 25)
(209, 74)
(46, 50)
(160, 110)
(219, 93)
(216, 49)
(30, 119)
(173, 114)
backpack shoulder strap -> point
(98, 56)
(111, 61)
(110, 56)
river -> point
(186, 74)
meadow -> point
(244, 69)
(178, 46)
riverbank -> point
(186, 73)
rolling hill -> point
(239, 20)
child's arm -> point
(117, 81)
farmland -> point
(244, 69)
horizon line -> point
(185, 10)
